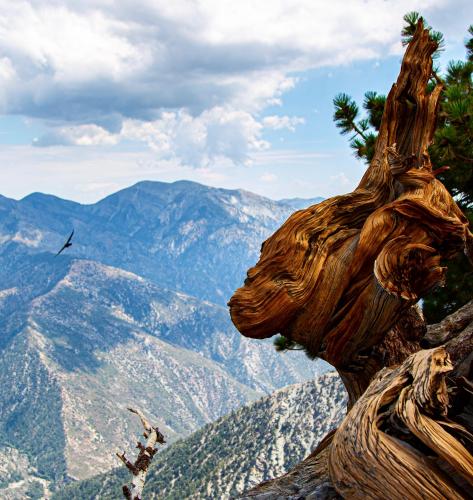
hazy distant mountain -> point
(256, 443)
(299, 203)
(100, 339)
(183, 235)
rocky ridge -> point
(253, 444)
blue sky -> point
(99, 95)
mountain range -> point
(184, 236)
(133, 313)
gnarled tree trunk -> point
(343, 278)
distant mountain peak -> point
(135, 308)
(300, 203)
(183, 235)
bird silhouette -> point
(67, 244)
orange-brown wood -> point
(337, 276)
(342, 278)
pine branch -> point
(346, 111)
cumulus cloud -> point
(80, 135)
(99, 71)
(341, 179)
(214, 134)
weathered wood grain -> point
(337, 276)
(342, 279)
(374, 449)
(413, 421)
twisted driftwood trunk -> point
(343, 278)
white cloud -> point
(88, 174)
(78, 135)
(341, 179)
(288, 157)
(191, 79)
(215, 134)
(281, 122)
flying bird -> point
(67, 244)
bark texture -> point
(343, 277)
(400, 428)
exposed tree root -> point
(408, 436)
(396, 435)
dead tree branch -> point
(140, 467)
(338, 276)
